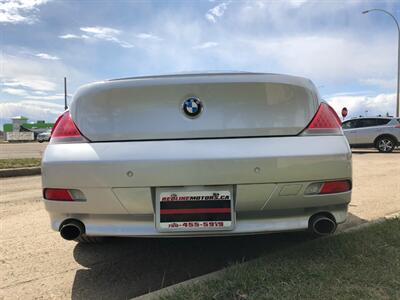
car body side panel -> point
(394, 131)
(367, 135)
(351, 135)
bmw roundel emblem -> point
(192, 107)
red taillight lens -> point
(325, 121)
(63, 194)
(397, 126)
(328, 187)
(65, 130)
(57, 194)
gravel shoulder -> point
(22, 150)
(36, 263)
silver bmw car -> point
(196, 155)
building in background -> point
(21, 130)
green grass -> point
(19, 163)
(363, 264)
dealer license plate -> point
(194, 209)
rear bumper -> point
(268, 175)
(246, 223)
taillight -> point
(328, 187)
(325, 122)
(65, 130)
(63, 194)
(397, 126)
(335, 187)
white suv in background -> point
(383, 133)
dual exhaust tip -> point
(319, 224)
(72, 229)
(322, 224)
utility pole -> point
(398, 53)
(65, 93)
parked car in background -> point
(197, 155)
(383, 133)
(44, 136)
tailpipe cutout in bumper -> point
(71, 229)
(322, 224)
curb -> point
(20, 172)
(169, 289)
(376, 221)
(215, 275)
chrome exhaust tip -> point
(71, 229)
(322, 224)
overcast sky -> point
(349, 56)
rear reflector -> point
(328, 187)
(65, 130)
(335, 187)
(57, 194)
(63, 195)
(325, 122)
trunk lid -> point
(233, 105)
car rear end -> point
(197, 155)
